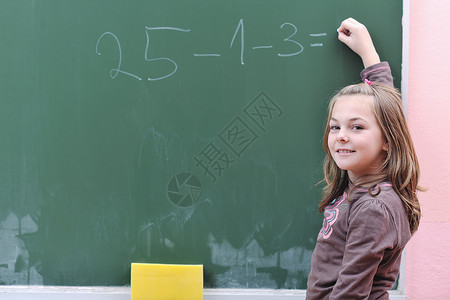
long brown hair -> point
(401, 166)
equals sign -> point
(317, 35)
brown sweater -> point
(359, 248)
(380, 72)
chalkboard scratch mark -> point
(15, 264)
(316, 45)
(255, 268)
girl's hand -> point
(356, 36)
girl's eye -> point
(357, 127)
(334, 127)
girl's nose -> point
(342, 137)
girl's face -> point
(355, 140)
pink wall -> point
(428, 253)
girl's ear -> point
(385, 146)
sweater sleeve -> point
(380, 72)
(370, 233)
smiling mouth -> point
(345, 151)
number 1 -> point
(240, 26)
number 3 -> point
(288, 39)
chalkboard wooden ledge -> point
(124, 293)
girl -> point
(371, 174)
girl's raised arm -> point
(356, 36)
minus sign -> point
(262, 47)
(215, 55)
(317, 45)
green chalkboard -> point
(170, 131)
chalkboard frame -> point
(109, 293)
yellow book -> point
(166, 282)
